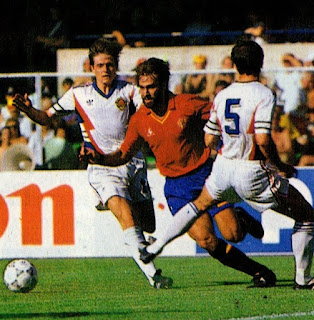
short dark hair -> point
(68, 81)
(153, 66)
(248, 57)
(106, 46)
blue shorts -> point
(181, 190)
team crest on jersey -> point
(120, 103)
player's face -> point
(104, 69)
(149, 90)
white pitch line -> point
(277, 316)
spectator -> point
(15, 135)
(56, 35)
(309, 60)
(10, 111)
(120, 38)
(307, 157)
(85, 68)
(224, 78)
(59, 153)
(195, 83)
(227, 63)
(197, 26)
(256, 32)
(220, 85)
(307, 85)
(67, 83)
(4, 142)
(287, 138)
(287, 84)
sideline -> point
(277, 316)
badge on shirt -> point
(120, 103)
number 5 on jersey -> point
(231, 116)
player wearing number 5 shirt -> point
(248, 164)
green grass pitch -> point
(114, 288)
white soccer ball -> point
(20, 276)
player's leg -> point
(134, 238)
(302, 212)
(234, 222)
(143, 213)
(202, 231)
(141, 197)
(111, 187)
(269, 190)
(179, 192)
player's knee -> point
(208, 243)
(233, 235)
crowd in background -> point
(50, 27)
(34, 29)
(58, 147)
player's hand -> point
(22, 102)
(287, 170)
(89, 155)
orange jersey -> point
(176, 139)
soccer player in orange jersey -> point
(173, 127)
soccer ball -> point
(20, 276)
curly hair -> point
(153, 66)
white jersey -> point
(240, 111)
(103, 118)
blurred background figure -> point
(4, 142)
(307, 157)
(81, 80)
(289, 139)
(9, 111)
(197, 25)
(256, 32)
(194, 83)
(67, 83)
(56, 35)
(15, 134)
(287, 84)
(217, 80)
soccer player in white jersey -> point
(103, 108)
(247, 166)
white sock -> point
(302, 247)
(180, 224)
(134, 238)
(148, 269)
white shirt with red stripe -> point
(103, 118)
(240, 111)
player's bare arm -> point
(113, 159)
(211, 141)
(25, 105)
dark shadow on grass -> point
(284, 283)
(227, 283)
(56, 315)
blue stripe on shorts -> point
(181, 190)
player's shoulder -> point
(83, 87)
(188, 98)
(123, 84)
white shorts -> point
(258, 185)
(128, 181)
